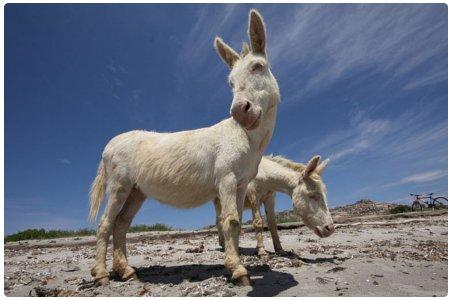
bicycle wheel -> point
(416, 206)
(440, 202)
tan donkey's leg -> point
(258, 225)
(117, 196)
(269, 206)
(218, 208)
(121, 226)
(232, 200)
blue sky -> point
(365, 85)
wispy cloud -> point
(423, 177)
(360, 137)
(333, 42)
(65, 161)
(408, 136)
(212, 20)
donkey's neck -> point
(275, 177)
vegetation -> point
(154, 227)
(286, 218)
(39, 234)
(400, 209)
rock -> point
(26, 280)
(323, 280)
(198, 249)
(45, 292)
(70, 268)
(336, 269)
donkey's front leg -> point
(121, 226)
(232, 202)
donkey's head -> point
(310, 199)
(255, 90)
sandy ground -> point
(396, 260)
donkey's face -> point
(255, 90)
(310, 199)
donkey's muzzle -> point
(246, 114)
(324, 231)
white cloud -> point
(65, 161)
(330, 42)
(424, 177)
(362, 136)
(418, 178)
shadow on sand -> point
(317, 260)
(265, 282)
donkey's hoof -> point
(240, 277)
(262, 252)
(101, 281)
(129, 274)
(264, 257)
(242, 281)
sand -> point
(366, 260)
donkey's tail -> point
(97, 192)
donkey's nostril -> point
(247, 106)
(329, 228)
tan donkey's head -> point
(310, 198)
(255, 89)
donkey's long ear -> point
(312, 165)
(228, 55)
(257, 32)
(320, 168)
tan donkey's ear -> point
(257, 32)
(228, 55)
(320, 168)
(312, 165)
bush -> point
(286, 218)
(154, 227)
(400, 209)
(39, 234)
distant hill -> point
(361, 207)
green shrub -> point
(286, 218)
(154, 227)
(39, 234)
(400, 209)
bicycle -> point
(436, 202)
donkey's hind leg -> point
(218, 208)
(118, 194)
(269, 206)
(121, 226)
(258, 226)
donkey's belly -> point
(176, 171)
(180, 196)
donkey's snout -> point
(246, 114)
(329, 228)
(324, 231)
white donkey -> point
(189, 168)
(305, 186)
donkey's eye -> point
(313, 196)
(257, 67)
(231, 84)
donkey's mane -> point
(298, 167)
